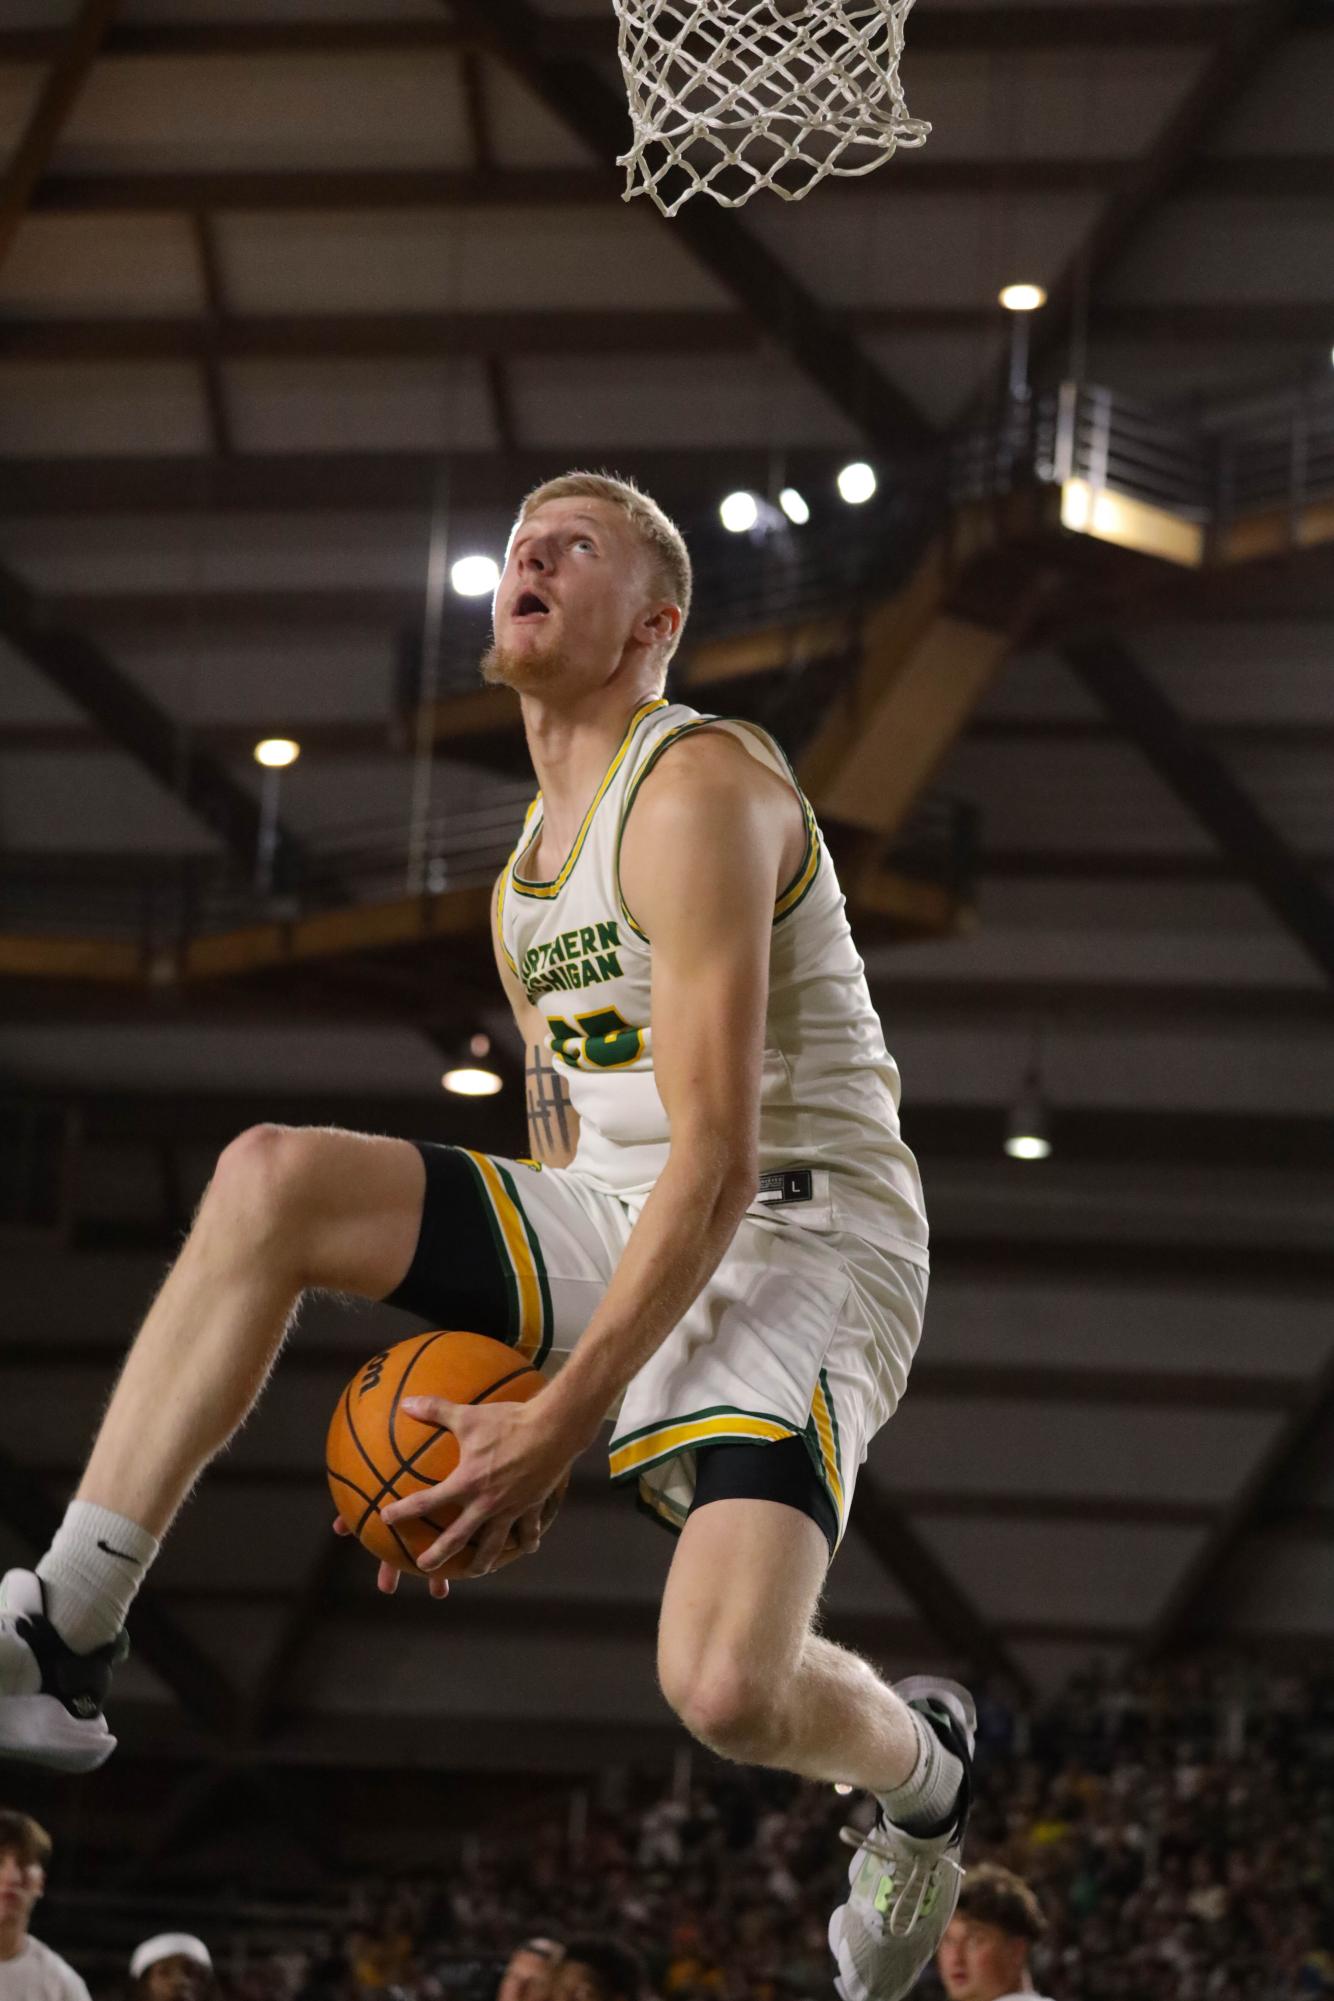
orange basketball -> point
(376, 1453)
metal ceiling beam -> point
(962, 30)
(203, 1690)
(1293, 1446)
(1205, 786)
(362, 481)
(1243, 36)
(136, 724)
(434, 336)
(783, 311)
(1248, 175)
(72, 59)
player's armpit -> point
(553, 1123)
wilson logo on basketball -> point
(372, 1373)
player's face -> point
(978, 1962)
(21, 1884)
(572, 597)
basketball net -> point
(731, 96)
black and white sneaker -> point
(904, 1887)
(50, 1697)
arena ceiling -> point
(281, 285)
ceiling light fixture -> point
(275, 753)
(475, 576)
(739, 513)
(472, 1076)
(1023, 298)
(794, 506)
(857, 483)
(1027, 1131)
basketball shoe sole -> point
(904, 1887)
(50, 1697)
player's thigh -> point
(509, 1249)
(741, 1596)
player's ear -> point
(659, 624)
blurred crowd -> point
(1177, 1828)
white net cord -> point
(728, 97)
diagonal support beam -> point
(129, 718)
(57, 98)
(1204, 785)
(203, 1690)
(1249, 33)
(943, 1604)
(1292, 1447)
(781, 307)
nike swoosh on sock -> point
(123, 1554)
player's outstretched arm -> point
(553, 1123)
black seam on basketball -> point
(353, 1433)
(512, 1377)
(360, 1492)
(426, 1341)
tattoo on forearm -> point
(549, 1129)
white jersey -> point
(38, 1974)
(830, 1153)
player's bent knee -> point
(726, 1705)
(259, 1178)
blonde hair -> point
(655, 531)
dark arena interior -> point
(298, 299)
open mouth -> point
(530, 605)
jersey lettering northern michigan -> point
(830, 1153)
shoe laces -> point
(912, 1897)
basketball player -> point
(984, 1953)
(720, 1228)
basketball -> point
(376, 1453)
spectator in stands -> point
(984, 1953)
(598, 1969)
(531, 1972)
(29, 1970)
(174, 1966)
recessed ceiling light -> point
(1023, 298)
(739, 512)
(857, 483)
(275, 752)
(474, 576)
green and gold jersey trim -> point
(502, 881)
(826, 1449)
(639, 1450)
(522, 886)
(787, 899)
(519, 1255)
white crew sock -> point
(931, 1788)
(91, 1573)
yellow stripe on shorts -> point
(823, 1414)
(678, 1435)
(522, 1262)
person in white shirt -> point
(29, 1970)
(983, 1955)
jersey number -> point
(608, 1041)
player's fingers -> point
(551, 1508)
(489, 1545)
(436, 1410)
(457, 1537)
(412, 1505)
(387, 1579)
(340, 1527)
(438, 1586)
(528, 1530)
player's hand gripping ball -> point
(377, 1453)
